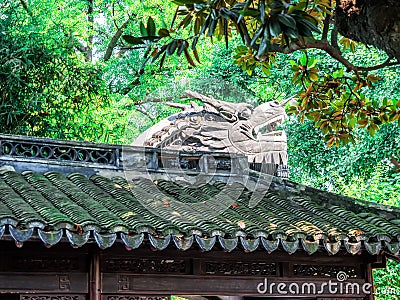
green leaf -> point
(229, 15)
(172, 47)
(226, 34)
(310, 25)
(274, 28)
(133, 40)
(194, 43)
(277, 6)
(265, 69)
(189, 58)
(263, 48)
(151, 26)
(196, 55)
(287, 20)
(213, 25)
(303, 59)
(163, 32)
(250, 12)
(162, 60)
(245, 9)
(161, 51)
(184, 45)
(186, 21)
(338, 73)
(196, 27)
(143, 30)
(261, 7)
(150, 38)
(256, 36)
(292, 33)
(312, 62)
(205, 25)
(185, 2)
(304, 31)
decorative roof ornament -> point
(220, 126)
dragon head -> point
(222, 126)
(265, 118)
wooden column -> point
(370, 279)
(95, 275)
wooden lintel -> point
(44, 282)
(213, 285)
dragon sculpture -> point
(223, 127)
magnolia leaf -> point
(171, 47)
(184, 45)
(274, 28)
(163, 32)
(151, 26)
(133, 40)
(143, 30)
(162, 60)
(196, 55)
(161, 51)
(189, 58)
(185, 2)
(287, 20)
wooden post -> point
(95, 275)
(370, 279)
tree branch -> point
(89, 51)
(25, 6)
(81, 48)
(145, 113)
(387, 63)
(395, 162)
(155, 100)
(334, 37)
(114, 40)
(333, 52)
(325, 30)
(247, 37)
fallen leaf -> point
(241, 224)
(128, 214)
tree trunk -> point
(371, 22)
(89, 50)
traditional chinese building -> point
(89, 221)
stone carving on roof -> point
(220, 126)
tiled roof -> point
(289, 216)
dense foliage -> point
(332, 95)
(45, 89)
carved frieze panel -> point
(64, 282)
(143, 266)
(40, 264)
(42, 282)
(134, 297)
(325, 271)
(240, 268)
(52, 297)
(123, 283)
(54, 151)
